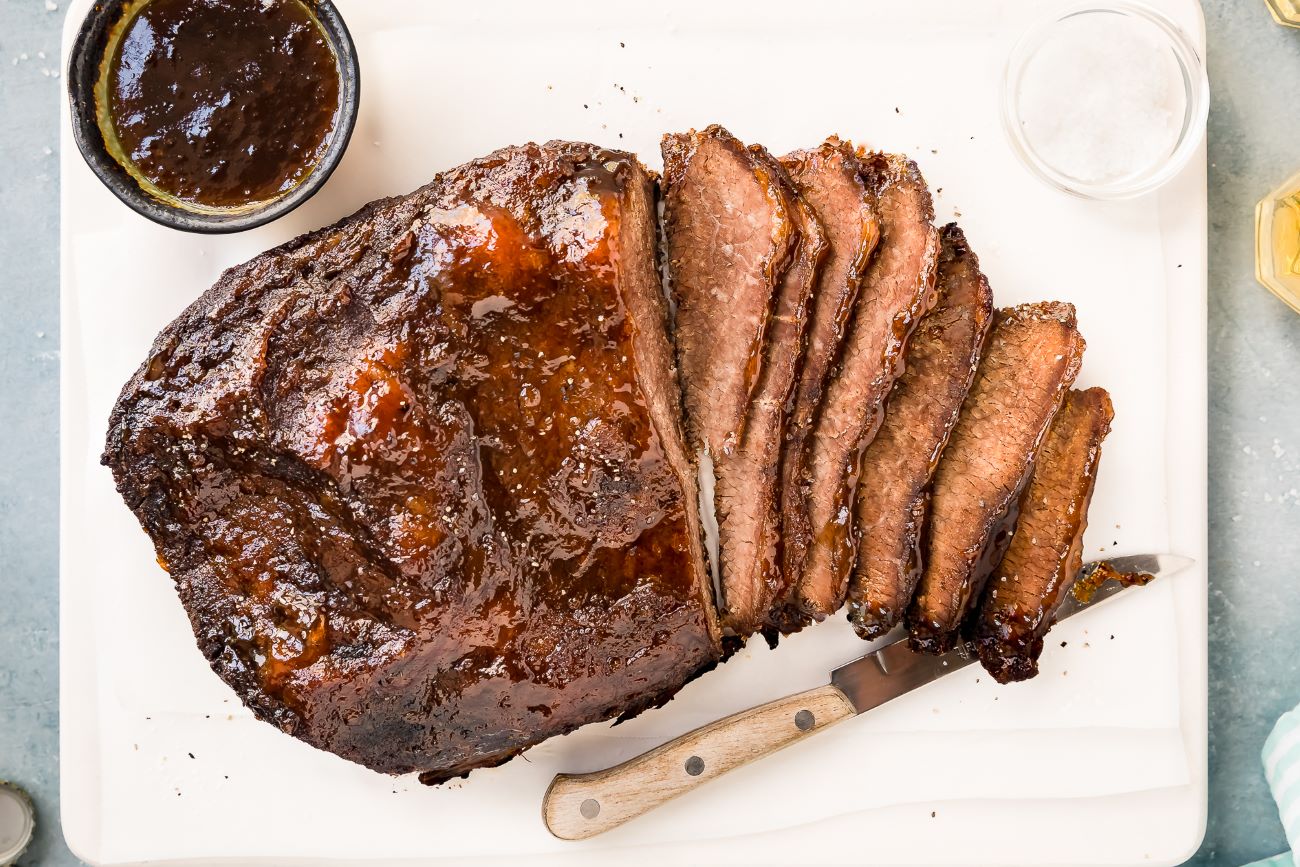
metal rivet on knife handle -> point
(695, 766)
(589, 808)
(804, 720)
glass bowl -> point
(1098, 28)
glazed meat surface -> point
(419, 477)
(748, 478)
(922, 409)
(1032, 358)
(1046, 552)
(828, 180)
(897, 290)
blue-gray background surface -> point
(1254, 421)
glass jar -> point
(1277, 242)
(1285, 11)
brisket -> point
(1031, 360)
(739, 264)
(748, 479)
(1046, 552)
(894, 487)
(419, 477)
(897, 290)
(827, 179)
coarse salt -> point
(1103, 99)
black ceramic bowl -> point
(84, 63)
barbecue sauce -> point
(1085, 588)
(219, 104)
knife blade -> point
(578, 806)
(894, 670)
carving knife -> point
(578, 806)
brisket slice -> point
(897, 290)
(419, 478)
(1032, 358)
(733, 236)
(828, 181)
(730, 235)
(1046, 552)
(748, 478)
(919, 417)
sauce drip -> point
(220, 103)
(1087, 586)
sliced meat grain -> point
(896, 292)
(1046, 551)
(1031, 361)
(748, 478)
(730, 237)
(828, 180)
(922, 410)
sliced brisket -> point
(897, 290)
(828, 180)
(741, 251)
(1046, 552)
(748, 479)
(730, 236)
(419, 477)
(922, 409)
(1032, 358)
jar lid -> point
(17, 822)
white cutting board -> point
(1100, 760)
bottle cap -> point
(17, 822)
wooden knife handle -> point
(578, 806)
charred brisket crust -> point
(204, 447)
